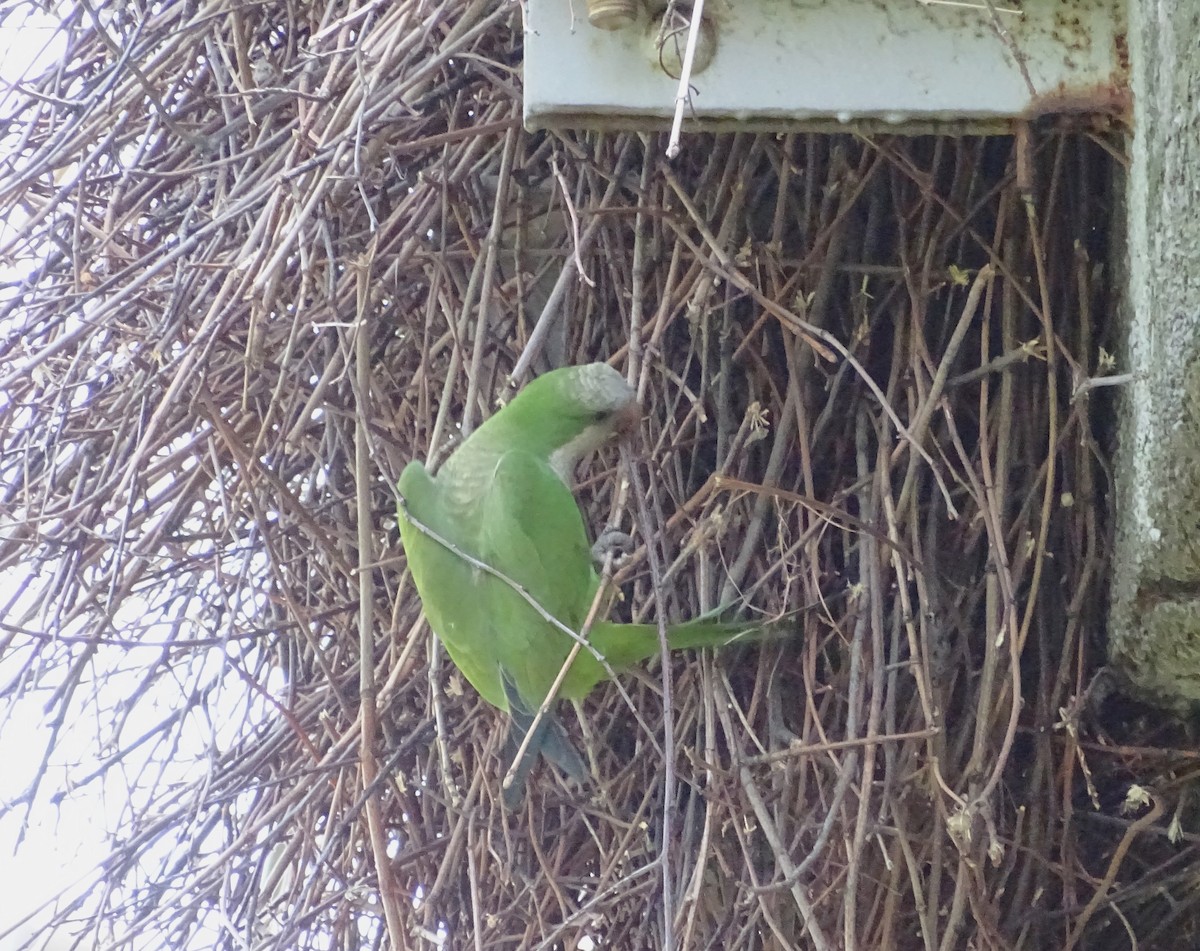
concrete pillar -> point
(1155, 620)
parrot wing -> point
(453, 591)
(474, 612)
(532, 531)
(549, 739)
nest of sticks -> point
(265, 256)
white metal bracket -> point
(819, 64)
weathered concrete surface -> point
(1155, 622)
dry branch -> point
(260, 256)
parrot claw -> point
(612, 541)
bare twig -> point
(253, 259)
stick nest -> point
(259, 257)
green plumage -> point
(503, 498)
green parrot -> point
(504, 498)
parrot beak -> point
(627, 419)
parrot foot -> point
(612, 541)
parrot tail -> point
(624, 645)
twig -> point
(683, 96)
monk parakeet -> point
(504, 498)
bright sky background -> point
(49, 849)
(57, 845)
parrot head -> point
(560, 417)
(597, 406)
